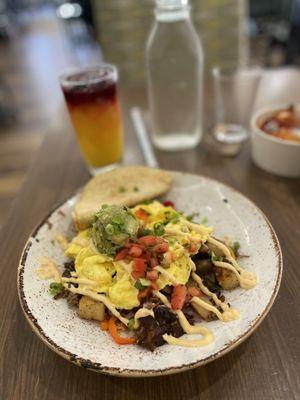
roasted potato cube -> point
(226, 278)
(91, 309)
(203, 312)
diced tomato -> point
(161, 248)
(178, 297)
(142, 214)
(121, 254)
(127, 243)
(152, 275)
(139, 264)
(153, 262)
(169, 203)
(193, 291)
(192, 248)
(139, 268)
(135, 251)
(154, 286)
(149, 240)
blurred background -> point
(39, 39)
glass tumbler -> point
(234, 93)
(92, 101)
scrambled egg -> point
(96, 267)
(156, 211)
(123, 294)
(78, 242)
(110, 277)
(179, 269)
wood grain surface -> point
(266, 366)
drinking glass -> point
(234, 92)
(92, 101)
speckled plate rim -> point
(135, 373)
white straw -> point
(143, 137)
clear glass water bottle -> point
(174, 62)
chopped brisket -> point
(151, 330)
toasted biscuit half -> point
(122, 186)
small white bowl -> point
(277, 156)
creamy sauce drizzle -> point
(102, 298)
(247, 279)
(187, 327)
(229, 314)
(141, 313)
(48, 270)
(167, 275)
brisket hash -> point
(151, 330)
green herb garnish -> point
(146, 202)
(53, 242)
(55, 288)
(121, 189)
(236, 246)
(138, 285)
(159, 229)
(145, 232)
(136, 189)
(191, 216)
(131, 324)
(117, 219)
(204, 220)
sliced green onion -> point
(109, 229)
(116, 219)
(159, 229)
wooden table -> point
(266, 366)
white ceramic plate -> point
(82, 342)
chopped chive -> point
(204, 220)
(121, 189)
(53, 242)
(136, 189)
